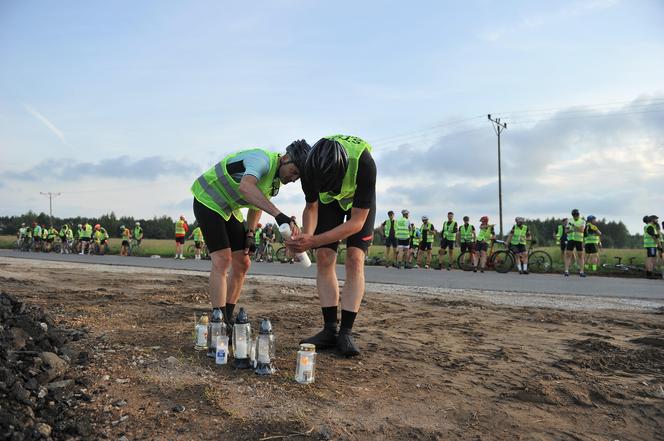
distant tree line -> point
(614, 234)
(156, 228)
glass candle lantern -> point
(265, 349)
(241, 340)
(216, 328)
(201, 332)
(305, 368)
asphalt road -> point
(623, 288)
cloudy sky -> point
(121, 105)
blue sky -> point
(121, 105)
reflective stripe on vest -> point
(466, 233)
(217, 190)
(649, 241)
(449, 230)
(485, 234)
(519, 235)
(354, 147)
(401, 231)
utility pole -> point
(50, 195)
(498, 127)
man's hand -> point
(249, 241)
(301, 243)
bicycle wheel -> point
(502, 261)
(540, 262)
(341, 255)
(191, 249)
(465, 261)
(56, 247)
(281, 255)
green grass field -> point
(166, 248)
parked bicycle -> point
(619, 266)
(504, 260)
(205, 253)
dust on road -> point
(433, 367)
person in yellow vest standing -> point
(402, 233)
(428, 232)
(339, 184)
(85, 237)
(415, 236)
(197, 235)
(466, 236)
(592, 243)
(181, 229)
(561, 237)
(247, 179)
(517, 239)
(125, 234)
(575, 229)
(448, 236)
(484, 238)
(390, 239)
(652, 240)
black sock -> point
(347, 319)
(330, 315)
(229, 311)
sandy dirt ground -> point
(433, 367)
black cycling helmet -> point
(297, 151)
(326, 165)
(575, 212)
(646, 219)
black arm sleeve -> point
(365, 193)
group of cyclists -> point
(85, 239)
(579, 239)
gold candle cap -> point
(307, 347)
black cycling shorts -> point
(219, 234)
(445, 243)
(125, 243)
(391, 242)
(467, 246)
(179, 239)
(574, 245)
(84, 239)
(563, 245)
(481, 246)
(518, 248)
(651, 252)
(332, 215)
(197, 244)
(591, 248)
(404, 243)
(425, 246)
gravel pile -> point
(38, 396)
